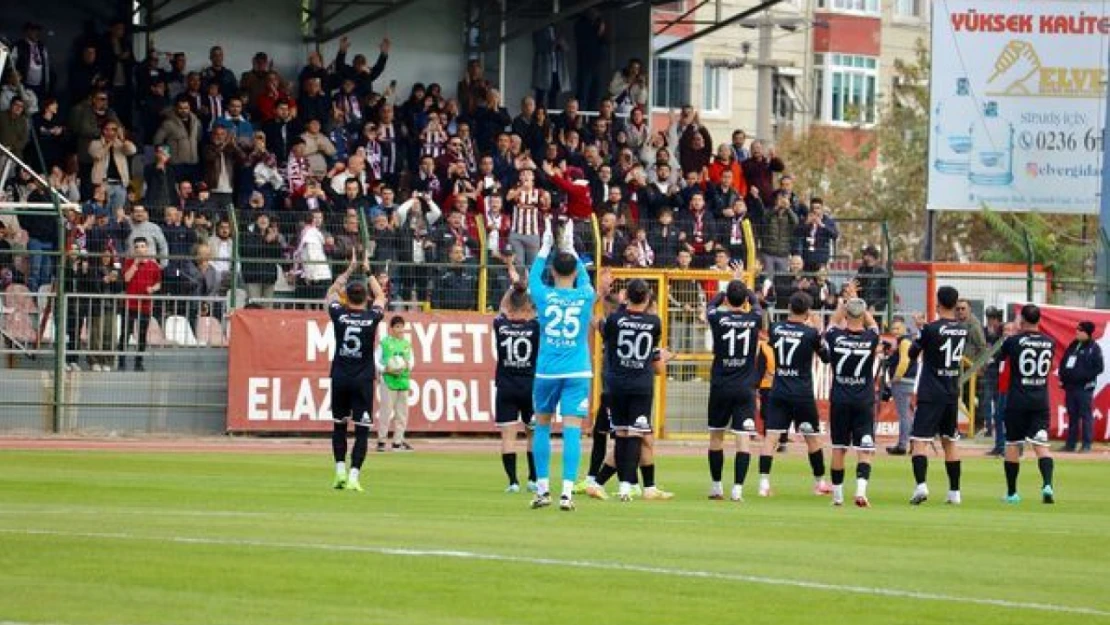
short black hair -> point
(564, 264)
(736, 293)
(396, 320)
(948, 297)
(637, 292)
(181, 97)
(139, 240)
(1031, 314)
(800, 303)
(357, 293)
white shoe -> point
(838, 501)
(513, 488)
(765, 489)
(737, 493)
(953, 498)
(920, 495)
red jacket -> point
(716, 168)
(147, 275)
(579, 204)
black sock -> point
(339, 442)
(597, 453)
(716, 464)
(531, 467)
(627, 455)
(509, 462)
(1046, 465)
(765, 463)
(358, 453)
(863, 471)
(1012, 469)
(605, 474)
(837, 477)
(740, 470)
(920, 468)
(952, 468)
(648, 473)
(817, 462)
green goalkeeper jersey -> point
(396, 347)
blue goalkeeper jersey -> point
(564, 315)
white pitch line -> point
(580, 564)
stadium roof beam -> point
(324, 34)
(183, 14)
(554, 18)
(762, 6)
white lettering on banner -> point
(313, 402)
(452, 343)
(453, 400)
(456, 395)
(318, 340)
(425, 335)
(477, 332)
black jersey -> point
(631, 346)
(1028, 357)
(735, 347)
(852, 358)
(518, 345)
(941, 346)
(355, 332)
(795, 345)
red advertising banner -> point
(279, 363)
(1060, 323)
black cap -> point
(871, 251)
(1087, 326)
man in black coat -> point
(1080, 369)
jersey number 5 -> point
(565, 323)
(352, 341)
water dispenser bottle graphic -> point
(952, 131)
(992, 151)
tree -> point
(1055, 243)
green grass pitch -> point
(156, 538)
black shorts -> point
(801, 413)
(731, 409)
(352, 399)
(934, 419)
(512, 407)
(852, 424)
(1025, 423)
(630, 412)
(602, 426)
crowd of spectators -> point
(155, 149)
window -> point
(847, 88)
(715, 88)
(854, 6)
(786, 100)
(671, 88)
(909, 8)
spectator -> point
(456, 287)
(721, 196)
(723, 162)
(454, 233)
(177, 76)
(352, 200)
(354, 169)
(103, 313)
(119, 61)
(491, 120)
(313, 102)
(591, 39)
(240, 129)
(385, 244)
(315, 70)
(219, 75)
(143, 277)
(472, 88)
(786, 187)
(760, 169)
(180, 132)
(613, 241)
(319, 150)
(360, 72)
(348, 241)
(734, 218)
(282, 131)
(31, 59)
(222, 248)
(665, 239)
(150, 233)
(160, 180)
(700, 230)
(740, 150)
(312, 274)
(111, 164)
(263, 249)
(204, 281)
(686, 305)
(813, 240)
(414, 229)
(53, 137)
(576, 190)
(550, 72)
(776, 237)
(528, 206)
(628, 88)
(14, 129)
(180, 241)
(13, 88)
(976, 340)
(255, 81)
(873, 280)
(988, 402)
(222, 157)
(1080, 368)
(264, 175)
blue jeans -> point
(903, 394)
(117, 197)
(42, 263)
